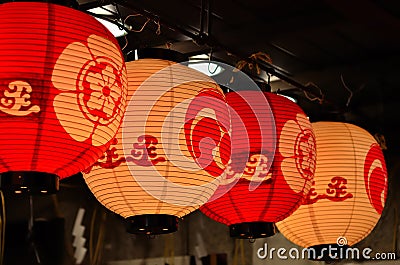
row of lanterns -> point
(248, 159)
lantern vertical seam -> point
(356, 179)
(49, 38)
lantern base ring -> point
(29, 182)
(152, 224)
(252, 230)
(328, 252)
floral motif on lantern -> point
(301, 151)
(199, 141)
(96, 96)
(375, 168)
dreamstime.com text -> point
(331, 251)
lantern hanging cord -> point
(95, 248)
(30, 230)
(68, 244)
(143, 26)
(348, 89)
(209, 64)
(111, 20)
(380, 138)
(210, 41)
(157, 22)
(320, 99)
(126, 43)
(252, 62)
(352, 92)
(239, 246)
(169, 249)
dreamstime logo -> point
(341, 241)
(331, 252)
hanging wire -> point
(188, 31)
(96, 245)
(126, 43)
(68, 244)
(91, 237)
(158, 31)
(348, 89)
(169, 249)
(3, 227)
(252, 62)
(242, 252)
(143, 26)
(235, 252)
(209, 64)
(202, 14)
(100, 240)
(319, 99)
(30, 230)
(118, 11)
(380, 138)
(239, 246)
(157, 22)
(111, 11)
(133, 30)
(352, 92)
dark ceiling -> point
(346, 53)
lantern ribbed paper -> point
(281, 178)
(349, 191)
(62, 93)
(175, 142)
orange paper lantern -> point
(170, 149)
(62, 94)
(348, 193)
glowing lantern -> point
(62, 94)
(170, 149)
(348, 193)
(266, 186)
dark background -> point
(346, 53)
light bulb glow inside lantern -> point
(53, 71)
(172, 146)
(269, 183)
(348, 192)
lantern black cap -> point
(152, 224)
(328, 252)
(29, 182)
(157, 53)
(252, 230)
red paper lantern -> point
(348, 193)
(270, 185)
(170, 149)
(62, 94)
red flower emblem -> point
(97, 96)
